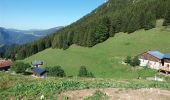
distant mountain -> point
(14, 36)
(38, 32)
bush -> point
(135, 62)
(56, 71)
(20, 67)
(83, 72)
(132, 61)
(128, 59)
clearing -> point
(119, 94)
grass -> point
(104, 60)
(19, 87)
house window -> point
(145, 58)
(168, 65)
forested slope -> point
(110, 18)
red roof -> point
(5, 63)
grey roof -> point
(167, 55)
(36, 62)
(38, 70)
(156, 54)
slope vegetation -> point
(104, 59)
(17, 87)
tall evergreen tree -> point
(167, 18)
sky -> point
(43, 14)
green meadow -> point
(105, 59)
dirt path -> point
(120, 94)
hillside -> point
(112, 17)
(104, 59)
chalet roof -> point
(5, 63)
(167, 55)
(156, 54)
(38, 70)
(37, 62)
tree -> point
(102, 30)
(21, 54)
(128, 60)
(135, 62)
(41, 45)
(167, 18)
(150, 20)
(90, 39)
(20, 67)
(83, 72)
(56, 71)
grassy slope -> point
(104, 59)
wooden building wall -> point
(147, 56)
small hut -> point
(39, 72)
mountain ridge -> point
(112, 17)
(15, 36)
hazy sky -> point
(43, 14)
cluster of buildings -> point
(5, 65)
(152, 59)
(156, 60)
(37, 71)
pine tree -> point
(167, 18)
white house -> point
(155, 60)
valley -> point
(15, 36)
(119, 50)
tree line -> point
(104, 22)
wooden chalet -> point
(5, 64)
(36, 70)
(37, 63)
(166, 64)
(155, 60)
(39, 72)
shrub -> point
(128, 59)
(135, 62)
(83, 72)
(132, 61)
(56, 71)
(20, 67)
